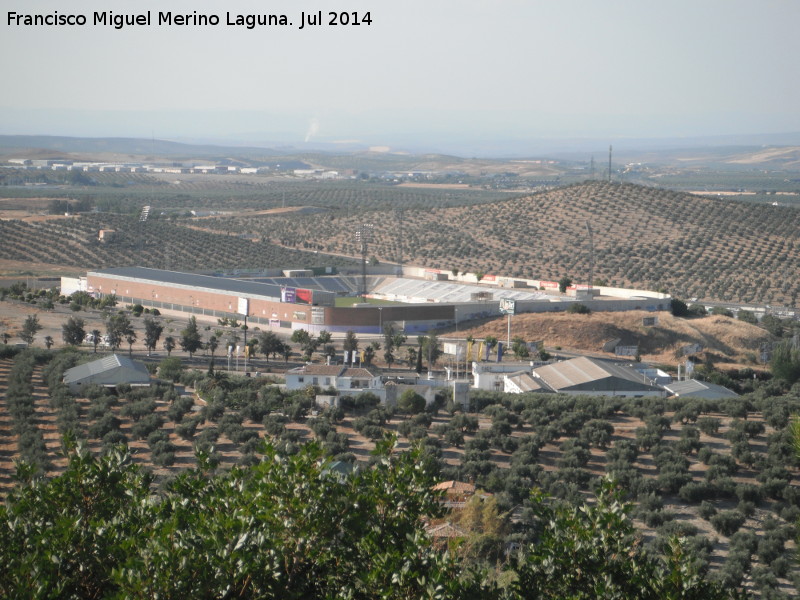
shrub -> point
(179, 408)
(186, 429)
(163, 453)
(411, 402)
(137, 410)
(105, 424)
(708, 425)
(146, 426)
(207, 437)
(727, 522)
(213, 411)
(748, 492)
(170, 368)
(114, 437)
(707, 510)
(696, 491)
(579, 309)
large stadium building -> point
(419, 303)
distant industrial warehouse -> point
(416, 300)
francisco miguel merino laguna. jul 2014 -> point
(193, 19)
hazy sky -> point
(477, 69)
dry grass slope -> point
(729, 340)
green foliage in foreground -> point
(590, 552)
(288, 527)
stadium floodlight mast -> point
(590, 283)
(364, 237)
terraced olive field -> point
(722, 473)
(73, 242)
(645, 237)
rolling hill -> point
(724, 339)
(694, 247)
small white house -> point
(491, 375)
(340, 377)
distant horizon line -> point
(468, 146)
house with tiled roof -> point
(458, 493)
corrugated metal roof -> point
(526, 383)
(207, 282)
(103, 365)
(699, 389)
(583, 372)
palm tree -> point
(48, 341)
(95, 338)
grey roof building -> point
(206, 283)
(691, 388)
(108, 371)
(519, 383)
(595, 377)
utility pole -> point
(400, 228)
(590, 283)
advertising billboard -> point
(244, 306)
(508, 306)
(302, 296)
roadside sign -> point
(508, 306)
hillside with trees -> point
(720, 474)
(692, 246)
(73, 243)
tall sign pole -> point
(243, 309)
(508, 307)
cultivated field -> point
(701, 247)
(724, 473)
(694, 247)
